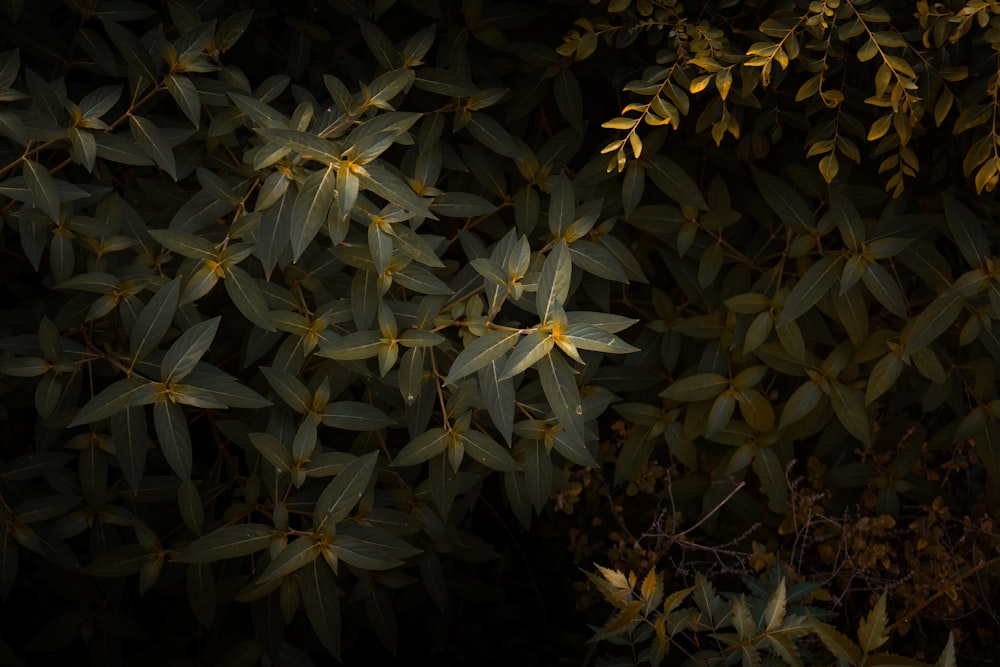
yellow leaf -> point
(636, 143)
(700, 83)
(829, 167)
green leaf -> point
(357, 345)
(490, 270)
(852, 228)
(43, 188)
(553, 283)
(355, 416)
(562, 205)
(674, 182)
(756, 409)
(461, 205)
(132, 49)
(185, 244)
(425, 446)
(24, 367)
(589, 337)
(853, 313)
(131, 441)
(485, 449)
(569, 98)
(299, 553)
(115, 398)
(153, 142)
(698, 387)
(247, 297)
(968, 231)
(312, 205)
(836, 643)
(444, 82)
(810, 288)
(492, 135)
(154, 320)
(420, 338)
(529, 349)
(187, 350)
(421, 280)
(883, 287)
(191, 508)
(175, 440)
(289, 388)
(272, 450)
(321, 602)
(227, 390)
(597, 260)
(790, 207)
(872, 630)
(413, 245)
(184, 92)
(883, 376)
(499, 397)
(774, 612)
(343, 493)
(305, 144)
(771, 474)
(487, 348)
(849, 406)
(720, 413)
(36, 464)
(931, 322)
(201, 591)
(603, 321)
(387, 185)
(121, 561)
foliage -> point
(770, 621)
(309, 305)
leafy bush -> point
(310, 305)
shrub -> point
(309, 304)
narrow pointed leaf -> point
(967, 230)
(562, 393)
(553, 283)
(289, 388)
(175, 440)
(343, 493)
(788, 204)
(154, 320)
(321, 602)
(228, 542)
(487, 451)
(529, 349)
(849, 406)
(43, 188)
(247, 297)
(698, 387)
(312, 205)
(153, 142)
(187, 350)
(355, 416)
(115, 398)
(480, 352)
(932, 321)
(674, 182)
(299, 553)
(810, 288)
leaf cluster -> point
(300, 300)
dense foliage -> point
(359, 328)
